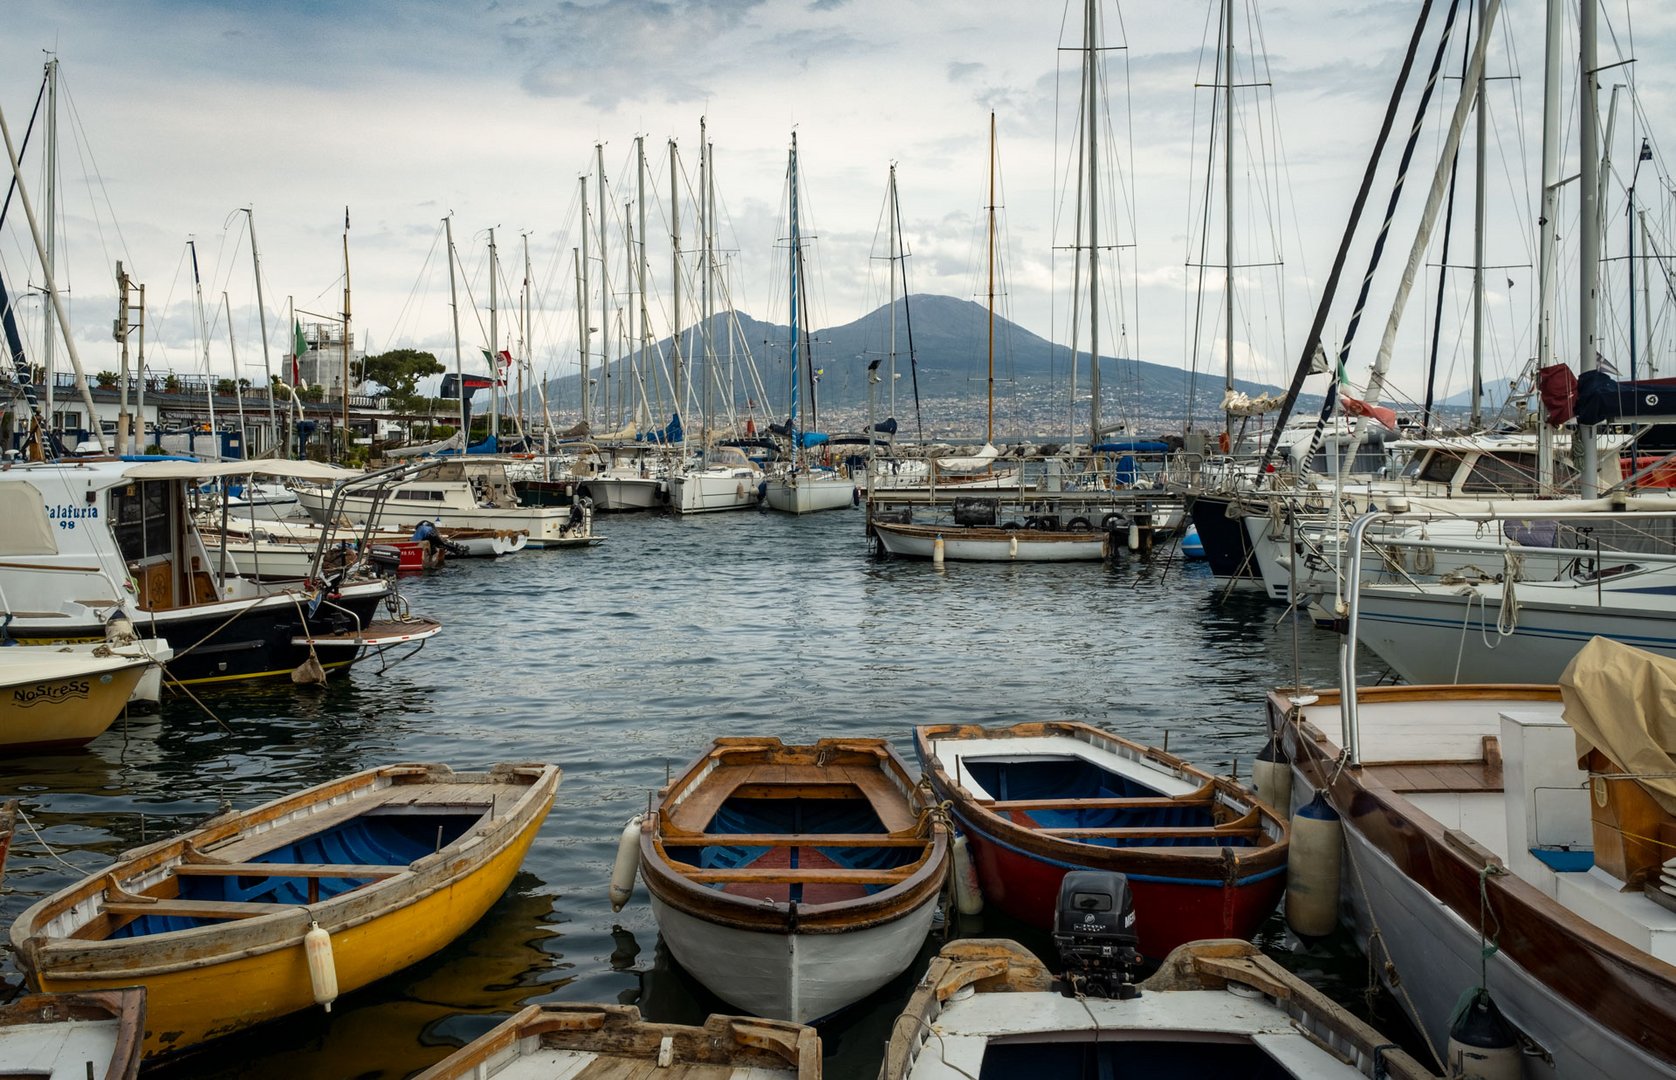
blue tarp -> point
(806, 439)
(672, 433)
(489, 445)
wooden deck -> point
(1466, 775)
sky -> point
(175, 114)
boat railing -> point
(1357, 542)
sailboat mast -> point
(1481, 135)
(989, 421)
(582, 329)
(494, 349)
(529, 337)
(795, 414)
(645, 338)
(459, 369)
(1588, 216)
(203, 336)
(238, 391)
(1547, 266)
(706, 185)
(1090, 89)
(675, 277)
(345, 330)
(1228, 208)
(604, 289)
(49, 206)
(894, 254)
(262, 322)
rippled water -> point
(620, 664)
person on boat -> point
(576, 516)
(436, 551)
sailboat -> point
(805, 485)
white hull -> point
(713, 490)
(1442, 951)
(620, 494)
(798, 977)
(546, 525)
(1449, 634)
(973, 544)
(807, 494)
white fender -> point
(937, 551)
(968, 895)
(322, 970)
(1312, 869)
(628, 861)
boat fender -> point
(628, 861)
(1079, 524)
(855, 496)
(322, 971)
(1482, 1044)
(1134, 537)
(1012, 547)
(1112, 522)
(1271, 777)
(968, 895)
(1312, 869)
(1009, 525)
(937, 551)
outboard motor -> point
(1094, 931)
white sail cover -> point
(1236, 403)
(451, 443)
(978, 462)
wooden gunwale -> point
(64, 956)
(1225, 864)
(884, 781)
(1629, 992)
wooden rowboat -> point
(51, 699)
(564, 1039)
(1204, 857)
(794, 880)
(978, 543)
(1215, 1008)
(267, 911)
(73, 1036)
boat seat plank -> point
(196, 909)
(1138, 803)
(1186, 833)
(395, 799)
(297, 870)
(673, 838)
(1436, 776)
(783, 875)
(789, 780)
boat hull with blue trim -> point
(1204, 857)
(793, 881)
(389, 865)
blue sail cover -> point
(1601, 398)
(489, 445)
(671, 433)
(806, 439)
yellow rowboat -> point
(565, 1039)
(71, 1036)
(51, 699)
(264, 912)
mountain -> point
(950, 364)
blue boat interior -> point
(1067, 778)
(376, 839)
(1128, 1060)
(791, 818)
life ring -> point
(1079, 524)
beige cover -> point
(1622, 701)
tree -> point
(399, 372)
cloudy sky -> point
(176, 113)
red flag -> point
(1379, 414)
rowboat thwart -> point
(263, 912)
(1204, 857)
(564, 1039)
(83, 1036)
(1215, 1008)
(794, 880)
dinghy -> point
(73, 1036)
(564, 1039)
(52, 700)
(1206, 858)
(1215, 1008)
(263, 912)
(794, 880)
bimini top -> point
(273, 467)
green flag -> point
(299, 346)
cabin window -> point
(141, 519)
(1434, 467)
(420, 495)
(24, 528)
(1501, 474)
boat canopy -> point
(983, 459)
(1131, 446)
(276, 468)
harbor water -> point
(620, 664)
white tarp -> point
(978, 462)
(1622, 702)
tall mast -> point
(796, 286)
(346, 332)
(989, 423)
(1090, 89)
(1547, 266)
(262, 317)
(238, 394)
(604, 293)
(1482, 140)
(494, 349)
(675, 276)
(459, 368)
(49, 206)
(890, 376)
(1588, 217)
(706, 344)
(529, 336)
(124, 325)
(644, 344)
(203, 336)
(1227, 208)
(583, 330)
